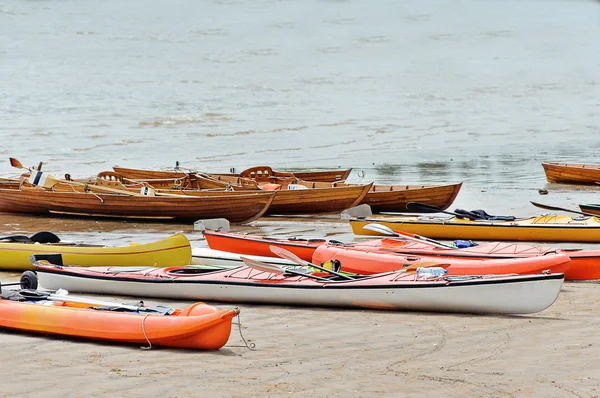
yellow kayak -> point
(174, 250)
(543, 228)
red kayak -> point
(259, 246)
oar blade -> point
(260, 266)
(380, 228)
(15, 163)
(288, 255)
(555, 208)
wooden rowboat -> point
(314, 197)
(198, 326)
(517, 294)
(36, 200)
(393, 198)
(173, 250)
(590, 208)
(381, 198)
(322, 176)
(572, 173)
(541, 229)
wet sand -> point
(319, 351)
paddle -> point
(423, 208)
(62, 295)
(38, 237)
(48, 181)
(274, 269)
(288, 255)
(382, 229)
(547, 207)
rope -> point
(149, 347)
(250, 346)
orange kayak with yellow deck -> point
(199, 326)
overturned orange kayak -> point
(199, 326)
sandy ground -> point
(328, 352)
(324, 352)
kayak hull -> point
(534, 229)
(171, 251)
(199, 326)
(392, 291)
(365, 262)
(260, 246)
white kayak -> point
(497, 294)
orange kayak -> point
(198, 326)
(372, 262)
(584, 265)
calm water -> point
(408, 92)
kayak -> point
(584, 264)
(494, 294)
(171, 251)
(549, 228)
(221, 259)
(199, 326)
(373, 262)
(258, 245)
(590, 208)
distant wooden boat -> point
(236, 208)
(572, 173)
(173, 250)
(536, 229)
(322, 176)
(393, 198)
(590, 208)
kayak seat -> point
(482, 215)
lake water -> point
(412, 92)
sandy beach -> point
(324, 352)
(328, 352)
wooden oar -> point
(48, 181)
(382, 229)
(555, 208)
(288, 255)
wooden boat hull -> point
(321, 176)
(171, 251)
(540, 229)
(235, 208)
(259, 246)
(374, 262)
(590, 208)
(302, 201)
(393, 198)
(572, 173)
(393, 291)
(199, 326)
